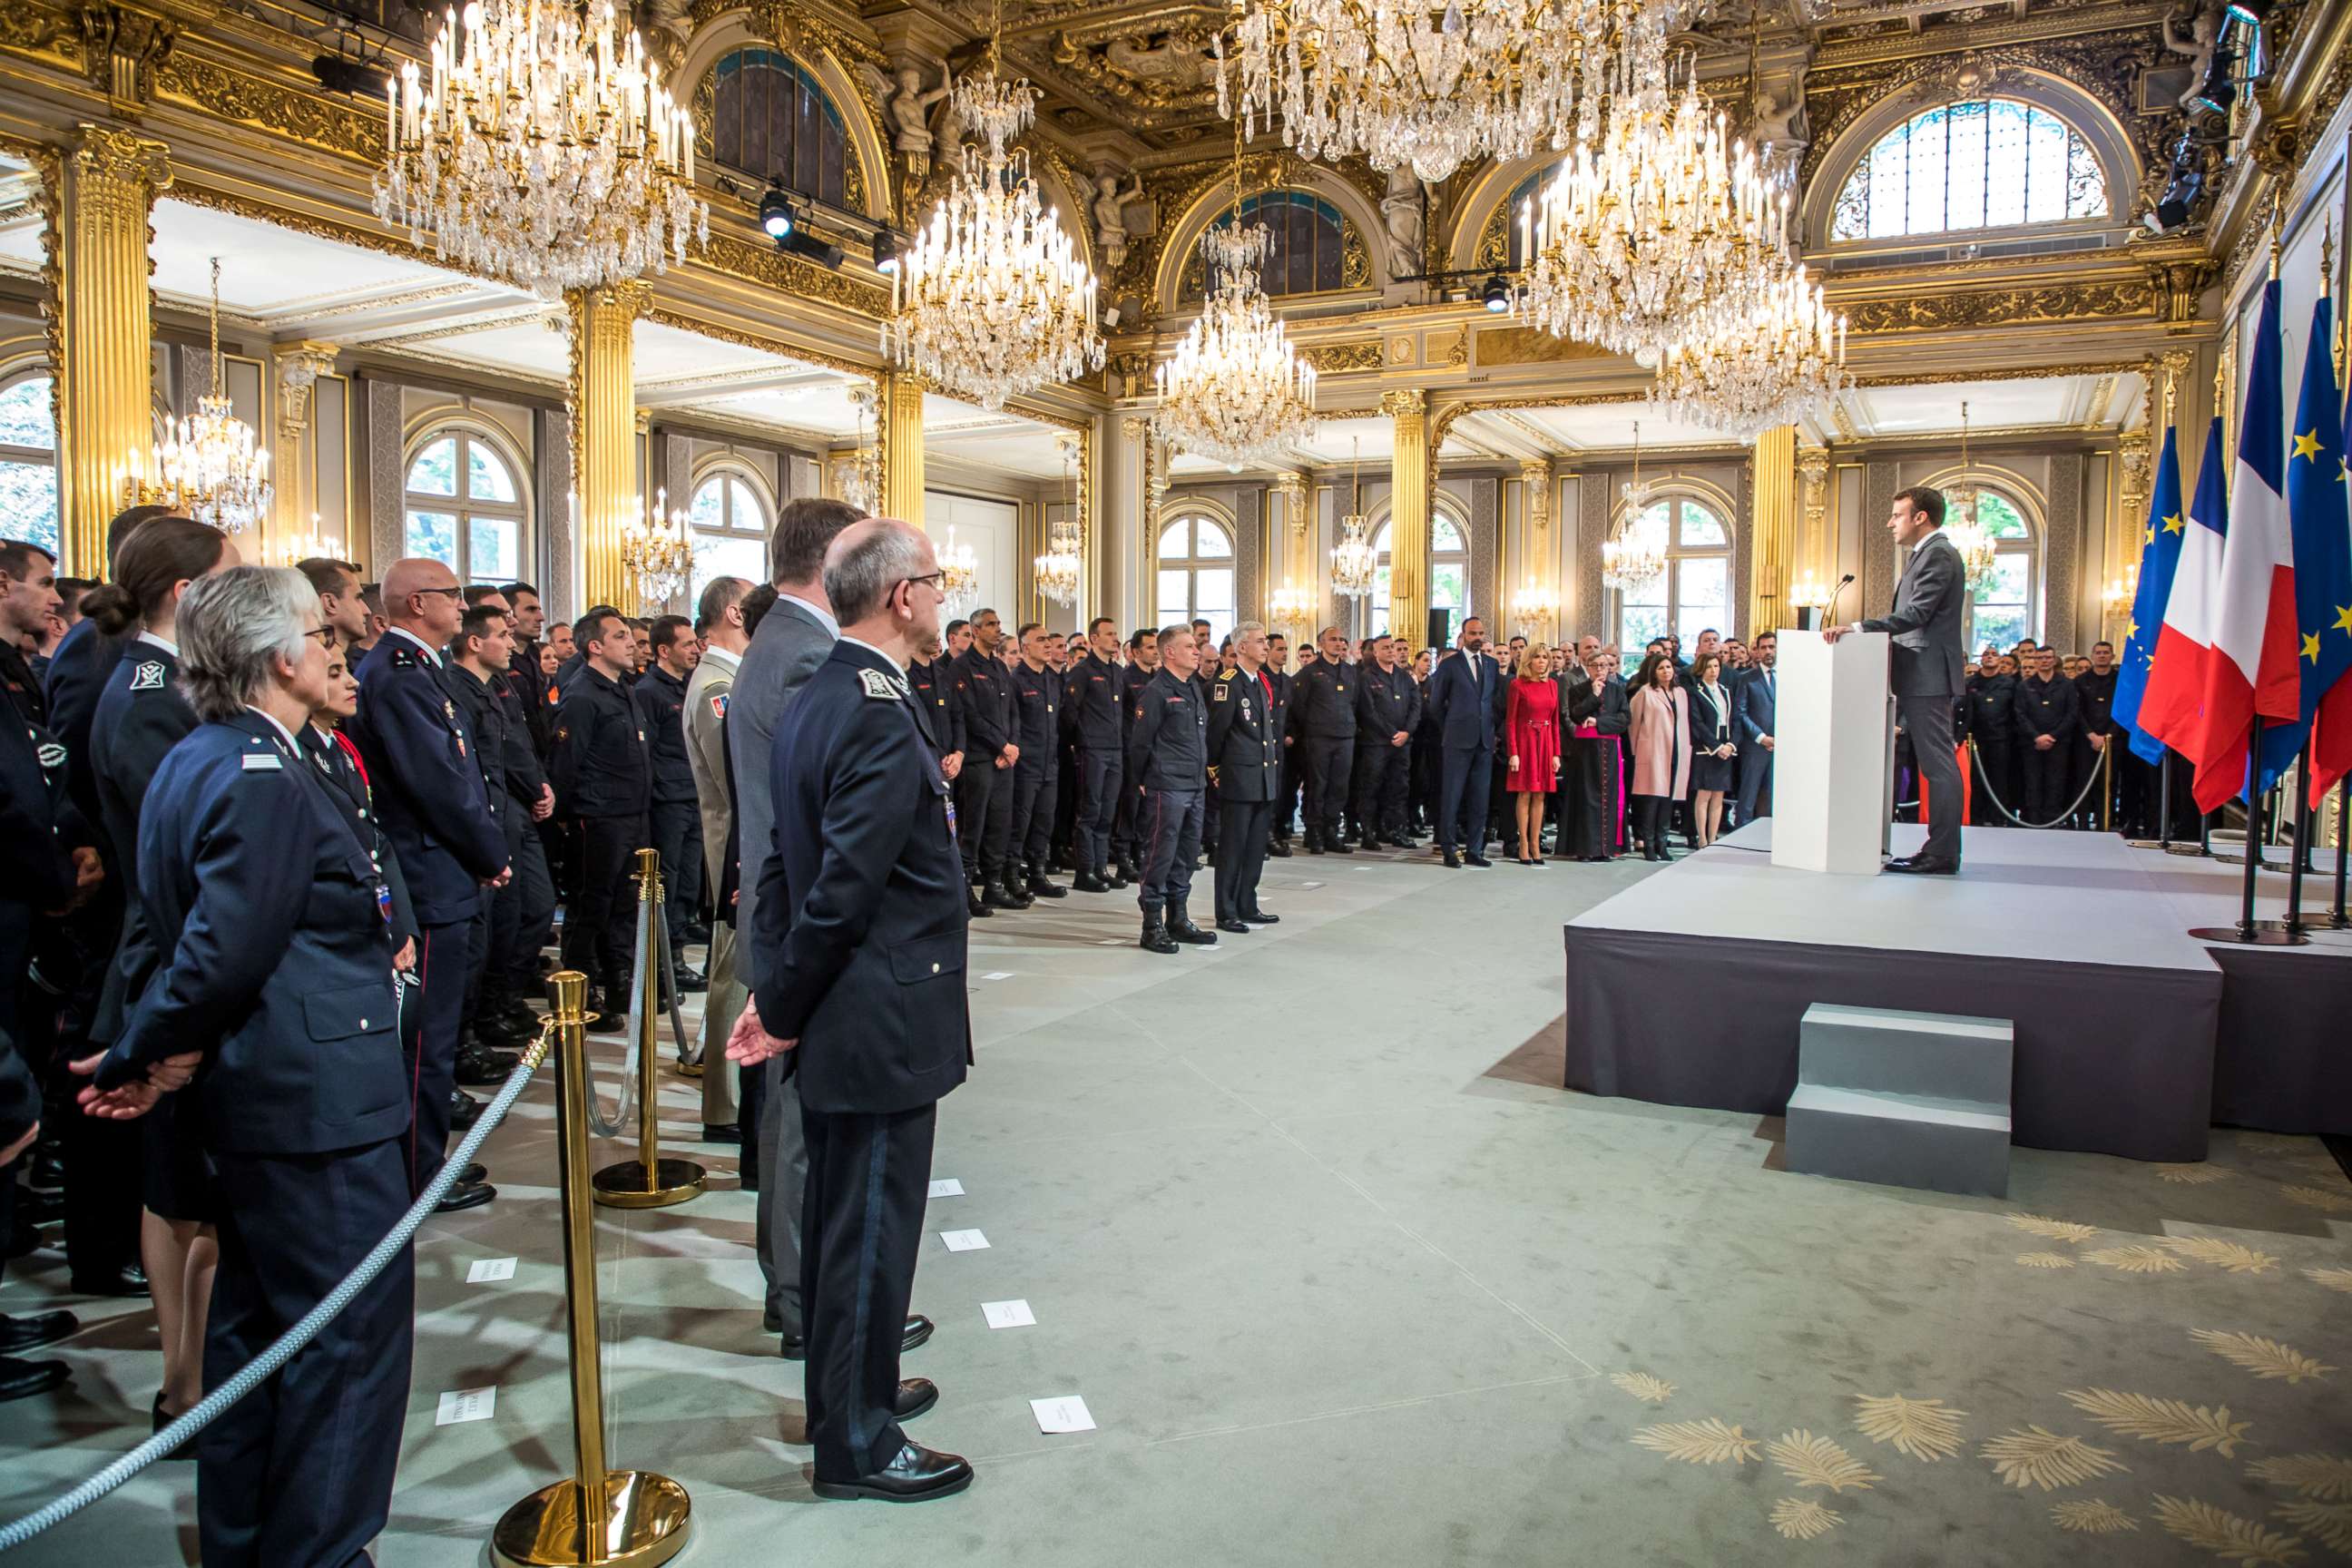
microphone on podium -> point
(1809, 619)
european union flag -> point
(2159, 556)
(2323, 553)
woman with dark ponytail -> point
(142, 714)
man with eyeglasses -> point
(420, 754)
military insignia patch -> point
(149, 676)
(878, 684)
(404, 658)
(1223, 691)
(261, 763)
(50, 755)
(563, 732)
(718, 705)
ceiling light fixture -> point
(776, 215)
(211, 465)
(1355, 565)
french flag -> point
(2172, 704)
(2250, 667)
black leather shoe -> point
(721, 1133)
(471, 1175)
(1315, 847)
(500, 1029)
(1260, 918)
(687, 982)
(974, 906)
(470, 1197)
(916, 1395)
(464, 1110)
(1043, 886)
(478, 1068)
(1180, 927)
(612, 1018)
(1279, 849)
(1453, 861)
(916, 1475)
(127, 1280)
(1087, 882)
(1923, 866)
(1478, 860)
(698, 933)
(1000, 897)
(1233, 926)
(1155, 937)
(1341, 847)
(23, 1379)
(36, 1329)
(794, 1347)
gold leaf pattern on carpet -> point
(2161, 1420)
(2235, 1257)
(1921, 1428)
(2317, 1165)
(1708, 1442)
(2054, 1229)
(1642, 1386)
(2192, 1175)
(2278, 1145)
(2045, 1260)
(2090, 1516)
(2333, 1278)
(2034, 1457)
(2328, 1476)
(2262, 1357)
(2316, 1198)
(1801, 1519)
(2331, 1522)
(2138, 1261)
(1812, 1461)
(2226, 1535)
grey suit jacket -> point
(791, 645)
(1927, 658)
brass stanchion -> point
(628, 1519)
(2107, 786)
(648, 1182)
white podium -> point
(1829, 757)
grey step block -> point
(1884, 1050)
(1898, 1140)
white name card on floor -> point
(1008, 1315)
(1068, 1413)
(947, 1187)
(1112, 941)
(964, 1240)
(998, 975)
(1310, 884)
(467, 1405)
(491, 1270)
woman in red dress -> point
(1531, 740)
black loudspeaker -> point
(1439, 620)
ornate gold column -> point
(902, 448)
(604, 434)
(294, 465)
(1776, 529)
(1294, 551)
(1813, 476)
(1408, 411)
(105, 379)
(1539, 551)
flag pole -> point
(2164, 801)
(2340, 917)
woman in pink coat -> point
(1662, 754)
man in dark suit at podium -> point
(1928, 666)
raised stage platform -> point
(2132, 1037)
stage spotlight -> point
(339, 74)
(2182, 192)
(2253, 13)
(1499, 294)
(886, 252)
(776, 213)
(801, 242)
(2218, 90)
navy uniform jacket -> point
(1036, 707)
(1092, 699)
(660, 697)
(337, 762)
(1244, 738)
(985, 694)
(486, 722)
(1132, 679)
(2096, 695)
(934, 686)
(600, 767)
(1991, 710)
(66, 700)
(1386, 700)
(2047, 708)
(518, 758)
(1323, 701)
(1464, 722)
(429, 794)
(140, 716)
(1168, 746)
(278, 957)
(859, 919)
(39, 872)
(530, 691)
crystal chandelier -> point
(1064, 563)
(1649, 229)
(1772, 361)
(993, 300)
(1401, 85)
(294, 548)
(1627, 562)
(1354, 562)
(959, 576)
(861, 487)
(1961, 495)
(660, 555)
(1534, 605)
(543, 150)
(1289, 606)
(1236, 390)
(212, 466)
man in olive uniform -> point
(603, 778)
(2049, 717)
(1322, 719)
(1167, 765)
(1036, 777)
(1244, 744)
(1388, 707)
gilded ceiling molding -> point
(241, 98)
(2001, 373)
(1933, 312)
(762, 263)
(741, 338)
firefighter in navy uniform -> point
(1992, 731)
(2049, 716)
(1166, 766)
(1285, 794)
(1244, 742)
(1126, 830)
(478, 660)
(431, 800)
(1093, 718)
(674, 816)
(1036, 707)
(603, 779)
(1323, 731)
(2096, 688)
(984, 788)
(1388, 709)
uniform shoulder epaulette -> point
(149, 676)
(877, 685)
(1225, 675)
(403, 658)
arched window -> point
(1196, 573)
(1449, 581)
(1310, 250)
(464, 507)
(1694, 592)
(1992, 163)
(28, 462)
(770, 120)
(2011, 608)
(730, 526)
